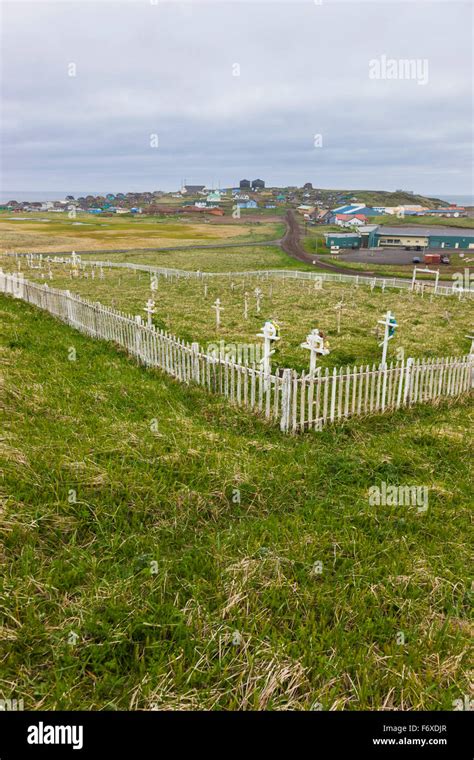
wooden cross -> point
(217, 306)
(269, 335)
(339, 307)
(315, 344)
(150, 310)
(258, 295)
(390, 323)
(246, 305)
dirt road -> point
(290, 243)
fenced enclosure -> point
(296, 402)
(422, 286)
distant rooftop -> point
(421, 230)
(342, 234)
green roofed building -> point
(404, 236)
(343, 239)
(418, 235)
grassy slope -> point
(424, 221)
(164, 639)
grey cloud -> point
(167, 69)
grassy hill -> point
(164, 550)
(384, 198)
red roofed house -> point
(349, 220)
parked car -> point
(416, 260)
(445, 259)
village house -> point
(305, 210)
(247, 204)
(321, 216)
(348, 220)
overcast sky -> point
(146, 68)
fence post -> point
(67, 303)
(195, 363)
(409, 365)
(138, 341)
(400, 383)
(286, 385)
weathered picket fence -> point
(425, 286)
(336, 395)
(295, 402)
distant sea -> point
(43, 195)
(459, 200)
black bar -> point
(166, 734)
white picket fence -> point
(359, 391)
(424, 286)
(295, 402)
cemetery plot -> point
(347, 318)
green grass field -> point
(213, 260)
(163, 550)
(49, 232)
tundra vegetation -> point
(166, 550)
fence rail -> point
(295, 402)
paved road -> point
(385, 256)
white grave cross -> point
(258, 295)
(390, 323)
(150, 310)
(217, 306)
(339, 307)
(269, 334)
(315, 344)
